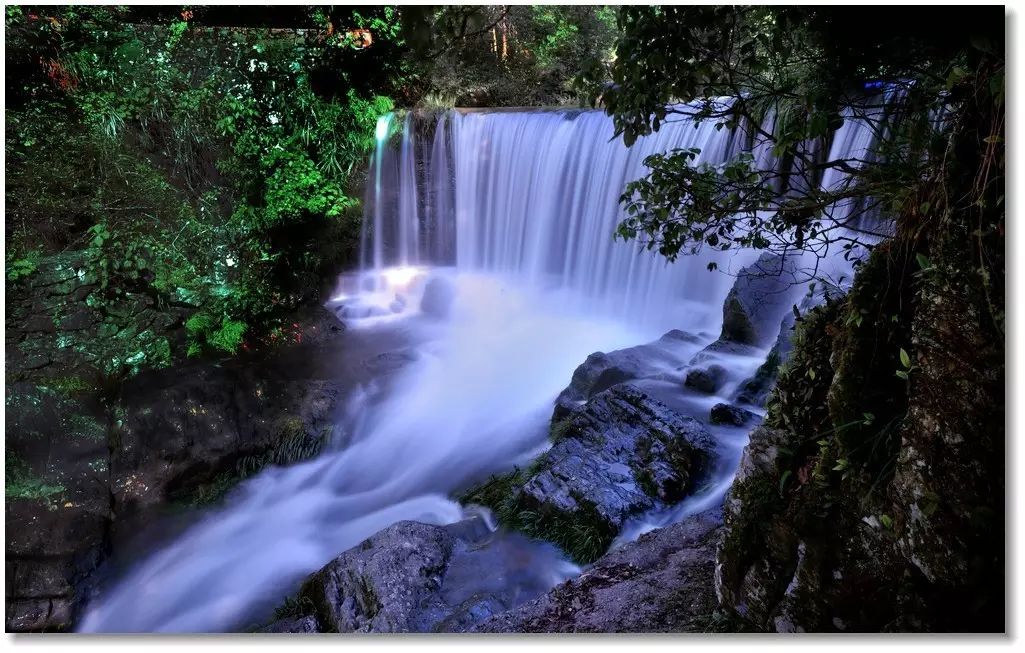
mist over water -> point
(503, 235)
(476, 400)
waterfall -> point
(489, 237)
(534, 196)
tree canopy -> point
(786, 78)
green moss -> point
(583, 534)
(797, 403)
(294, 607)
(736, 323)
(21, 483)
(313, 602)
(366, 597)
(646, 482)
(744, 537)
(560, 429)
(294, 444)
(69, 385)
(83, 426)
(868, 399)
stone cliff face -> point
(872, 497)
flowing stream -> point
(488, 237)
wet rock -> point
(49, 614)
(601, 370)
(389, 583)
(53, 545)
(361, 311)
(707, 379)
(742, 579)
(622, 454)
(438, 297)
(755, 390)
(660, 583)
(391, 361)
(759, 296)
(293, 625)
(731, 415)
(949, 480)
(413, 577)
(57, 508)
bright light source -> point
(400, 276)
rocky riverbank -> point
(90, 465)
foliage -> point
(21, 483)
(293, 445)
(584, 535)
(508, 55)
(21, 267)
(784, 79)
(208, 170)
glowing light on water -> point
(400, 277)
(382, 127)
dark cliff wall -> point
(873, 496)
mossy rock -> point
(620, 455)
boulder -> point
(438, 297)
(601, 370)
(623, 454)
(759, 296)
(755, 390)
(706, 379)
(293, 625)
(662, 582)
(414, 577)
(731, 415)
(389, 583)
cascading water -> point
(489, 240)
(534, 197)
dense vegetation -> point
(202, 168)
(510, 55)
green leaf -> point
(905, 360)
(902, 374)
(783, 480)
(886, 521)
(923, 261)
